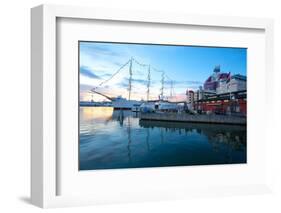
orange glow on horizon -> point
(97, 113)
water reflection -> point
(118, 139)
(231, 135)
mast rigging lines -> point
(114, 74)
(130, 62)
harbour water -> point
(112, 139)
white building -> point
(190, 98)
(237, 83)
(222, 86)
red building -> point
(227, 103)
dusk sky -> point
(187, 66)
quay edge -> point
(198, 118)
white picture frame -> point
(44, 154)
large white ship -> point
(123, 103)
(119, 102)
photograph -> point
(147, 105)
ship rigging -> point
(122, 103)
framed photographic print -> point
(149, 106)
(191, 114)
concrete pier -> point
(184, 117)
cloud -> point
(118, 64)
(140, 81)
(101, 56)
(88, 73)
(177, 85)
(184, 82)
(99, 49)
(106, 75)
(125, 82)
(85, 87)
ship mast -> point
(130, 78)
(148, 83)
(162, 85)
(171, 89)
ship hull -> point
(124, 104)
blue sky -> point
(187, 66)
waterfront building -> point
(237, 83)
(190, 98)
(222, 93)
(216, 81)
(222, 85)
(196, 95)
(222, 82)
(200, 93)
(226, 103)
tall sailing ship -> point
(122, 103)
